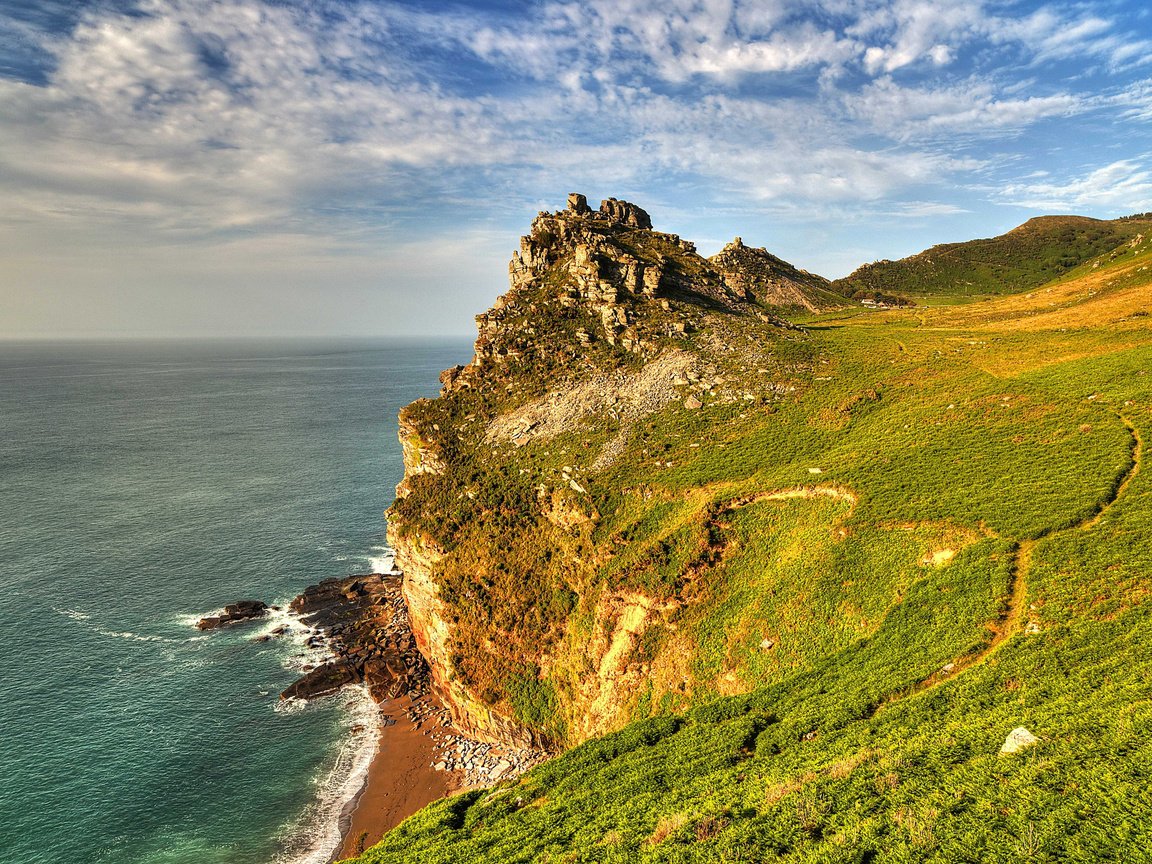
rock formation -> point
(242, 610)
(757, 274)
(598, 276)
(606, 322)
(362, 621)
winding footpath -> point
(1012, 620)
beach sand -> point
(401, 780)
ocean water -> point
(142, 486)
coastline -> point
(400, 780)
(421, 757)
(358, 628)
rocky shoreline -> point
(361, 623)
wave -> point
(85, 619)
(382, 559)
(191, 619)
(315, 837)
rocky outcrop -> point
(636, 288)
(625, 213)
(363, 622)
(606, 322)
(242, 610)
(756, 274)
(421, 455)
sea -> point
(144, 485)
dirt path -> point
(834, 492)
(1137, 461)
(1012, 621)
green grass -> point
(1035, 253)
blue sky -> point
(230, 167)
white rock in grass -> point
(1018, 739)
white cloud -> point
(1125, 185)
(911, 31)
(1136, 101)
(134, 116)
(204, 116)
(970, 108)
(1056, 33)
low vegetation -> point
(1037, 252)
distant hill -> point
(772, 281)
(1040, 250)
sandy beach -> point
(400, 781)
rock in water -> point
(1018, 739)
(364, 622)
(323, 681)
(242, 610)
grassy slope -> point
(1009, 433)
(1033, 254)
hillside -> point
(1040, 250)
(785, 594)
(758, 273)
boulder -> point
(387, 675)
(626, 213)
(242, 610)
(323, 681)
(1018, 739)
(578, 203)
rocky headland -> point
(607, 322)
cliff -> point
(875, 591)
(607, 323)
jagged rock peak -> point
(625, 213)
(611, 210)
(584, 279)
(754, 272)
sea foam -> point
(316, 836)
(382, 559)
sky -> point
(333, 167)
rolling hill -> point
(1040, 250)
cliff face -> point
(419, 557)
(607, 326)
